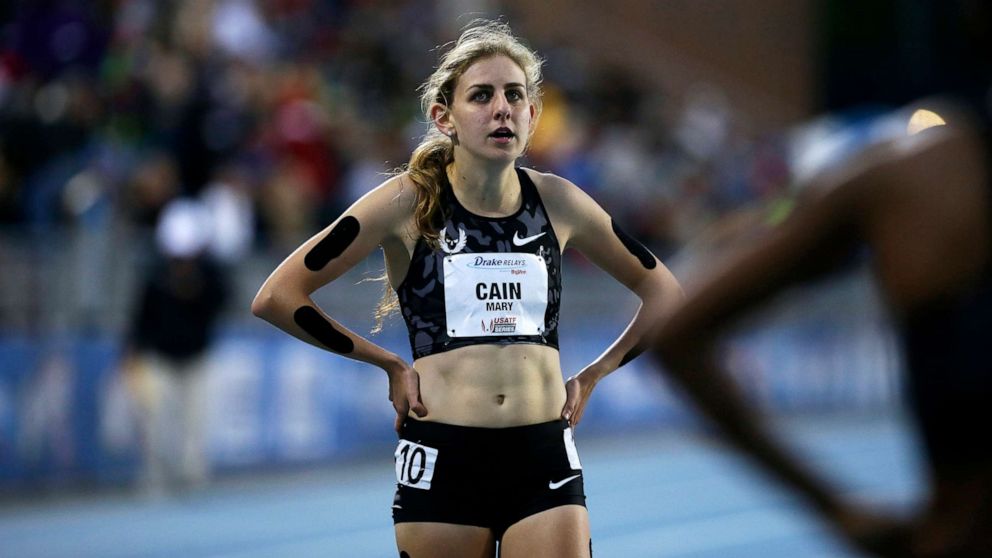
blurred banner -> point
(68, 414)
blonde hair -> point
(426, 169)
(428, 163)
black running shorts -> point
(487, 477)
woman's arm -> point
(902, 199)
(810, 241)
(886, 198)
(582, 224)
(381, 217)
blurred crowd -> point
(277, 114)
(265, 119)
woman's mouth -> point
(502, 135)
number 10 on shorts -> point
(415, 464)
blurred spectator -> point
(229, 198)
(153, 183)
(173, 327)
(315, 93)
(311, 99)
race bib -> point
(494, 294)
(415, 464)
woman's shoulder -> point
(551, 186)
(544, 179)
(557, 191)
(396, 195)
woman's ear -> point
(442, 119)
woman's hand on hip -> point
(404, 392)
(578, 388)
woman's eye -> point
(481, 96)
(514, 95)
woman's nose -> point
(502, 108)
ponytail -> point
(427, 170)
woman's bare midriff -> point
(492, 386)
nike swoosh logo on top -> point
(517, 241)
(556, 485)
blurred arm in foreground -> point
(920, 204)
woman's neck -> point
(487, 191)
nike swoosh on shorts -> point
(556, 485)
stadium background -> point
(689, 121)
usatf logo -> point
(505, 324)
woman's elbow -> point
(263, 305)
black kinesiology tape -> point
(636, 248)
(320, 329)
(332, 245)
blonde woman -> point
(473, 247)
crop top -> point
(495, 280)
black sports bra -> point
(494, 280)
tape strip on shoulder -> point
(332, 245)
(636, 248)
(310, 320)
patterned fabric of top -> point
(421, 294)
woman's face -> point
(490, 112)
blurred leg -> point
(158, 416)
(194, 424)
(444, 540)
